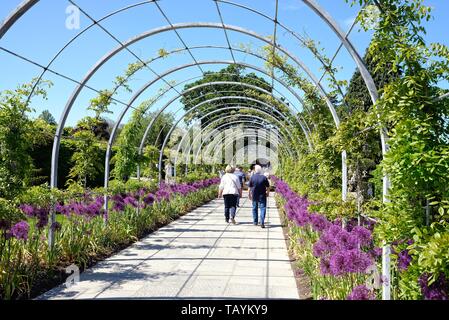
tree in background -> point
(47, 117)
(232, 73)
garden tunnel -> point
(281, 111)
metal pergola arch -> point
(217, 129)
(215, 120)
(204, 129)
(220, 83)
(235, 136)
(249, 123)
(325, 17)
(193, 109)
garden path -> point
(198, 256)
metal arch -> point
(215, 120)
(209, 134)
(168, 72)
(204, 85)
(191, 110)
(289, 30)
(26, 5)
(248, 122)
(208, 125)
(197, 106)
(16, 15)
(239, 136)
(239, 107)
(109, 147)
(251, 124)
(101, 62)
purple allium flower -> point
(20, 230)
(375, 252)
(325, 266)
(55, 226)
(131, 201)
(404, 260)
(361, 293)
(439, 290)
(338, 263)
(27, 209)
(363, 235)
(149, 199)
(319, 222)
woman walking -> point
(230, 188)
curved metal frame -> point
(220, 83)
(217, 129)
(237, 136)
(209, 124)
(191, 110)
(212, 122)
(249, 124)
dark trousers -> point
(230, 203)
(259, 203)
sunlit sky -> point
(42, 32)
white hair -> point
(257, 169)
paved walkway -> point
(198, 256)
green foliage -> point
(86, 160)
(16, 136)
(127, 157)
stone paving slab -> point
(198, 256)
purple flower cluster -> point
(439, 290)
(88, 208)
(143, 199)
(404, 260)
(20, 230)
(36, 212)
(361, 293)
(341, 250)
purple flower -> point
(55, 226)
(20, 230)
(439, 290)
(149, 199)
(131, 201)
(363, 235)
(27, 209)
(338, 263)
(361, 293)
(404, 260)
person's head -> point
(229, 169)
(257, 169)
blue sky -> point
(41, 33)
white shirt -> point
(230, 184)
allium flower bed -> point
(336, 258)
(84, 232)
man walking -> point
(259, 191)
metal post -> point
(386, 273)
